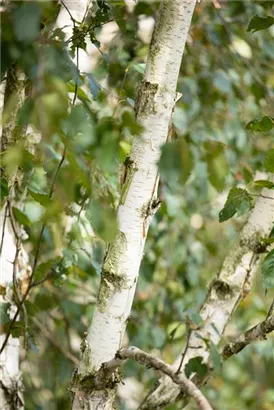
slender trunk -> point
(226, 291)
(155, 102)
(11, 397)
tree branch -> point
(156, 364)
(254, 334)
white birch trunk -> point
(11, 396)
(226, 291)
(154, 106)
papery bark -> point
(11, 387)
(155, 102)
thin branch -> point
(3, 228)
(254, 334)
(156, 364)
(84, 33)
(271, 310)
(68, 10)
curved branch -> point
(155, 363)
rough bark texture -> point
(155, 102)
(11, 397)
(254, 334)
(156, 364)
(226, 290)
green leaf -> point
(176, 330)
(21, 217)
(216, 163)
(4, 190)
(264, 124)
(26, 22)
(195, 365)
(216, 358)
(45, 301)
(238, 201)
(140, 68)
(269, 161)
(176, 162)
(43, 269)
(42, 199)
(103, 219)
(18, 329)
(268, 270)
(260, 23)
(31, 308)
(264, 183)
(4, 308)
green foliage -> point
(261, 125)
(26, 15)
(260, 23)
(20, 216)
(196, 365)
(216, 163)
(238, 201)
(269, 161)
(75, 194)
(268, 270)
(176, 162)
(4, 190)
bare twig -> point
(271, 310)
(3, 228)
(68, 10)
(157, 364)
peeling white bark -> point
(154, 106)
(11, 385)
(231, 285)
(10, 375)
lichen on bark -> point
(145, 99)
(112, 280)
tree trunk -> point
(225, 292)
(11, 396)
(154, 105)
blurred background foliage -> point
(75, 130)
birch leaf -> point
(268, 270)
(264, 124)
(196, 365)
(269, 161)
(216, 358)
(239, 201)
(103, 220)
(21, 217)
(176, 162)
(216, 163)
(264, 183)
(4, 190)
(260, 23)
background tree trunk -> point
(231, 284)
(12, 261)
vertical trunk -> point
(154, 105)
(10, 385)
(226, 291)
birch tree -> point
(190, 142)
(14, 262)
(138, 202)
